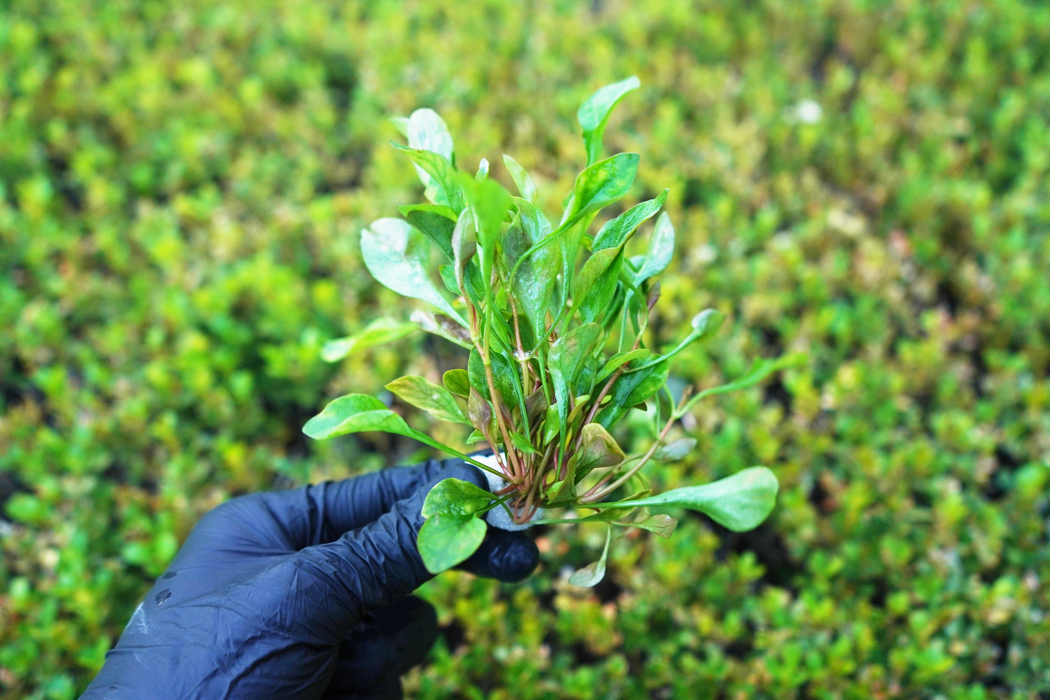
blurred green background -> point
(181, 190)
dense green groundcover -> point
(182, 186)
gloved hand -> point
(298, 594)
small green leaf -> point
(448, 539)
(436, 222)
(394, 254)
(661, 525)
(598, 449)
(489, 202)
(457, 381)
(739, 502)
(621, 359)
(522, 443)
(483, 170)
(475, 437)
(455, 496)
(522, 179)
(551, 424)
(379, 331)
(661, 250)
(631, 389)
(674, 451)
(592, 574)
(594, 113)
(443, 187)
(435, 400)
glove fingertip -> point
(509, 557)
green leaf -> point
(427, 131)
(522, 443)
(522, 180)
(598, 449)
(442, 325)
(601, 184)
(457, 381)
(436, 222)
(594, 113)
(393, 253)
(631, 389)
(483, 170)
(448, 539)
(534, 277)
(379, 331)
(551, 424)
(455, 496)
(592, 574)
(489, 202)
(674, 451)
(567, 356)
(356, 413)
(621, 359)
(504, 376)
(739, 502)
(435, 400)
(594, 287)
(401, 124)
(618, 231)
(443, 187)
(661, 525)
(661, 250)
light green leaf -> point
(393, 253)
(595, 285)
(457, 381)
(534, 278)
(442, 325)
(592, 574)
(356, 413)
(448, 539)
(674, 451)
(661, 250)
(455, 496)
(618, 231)
(435, 400)
(661, 525)
(522, 179)
(379, 331)
(443, 187)
(567, 356)
(739, 502)
(401, 124)
(435, 221)
(483, 170)
(427, 131)
(489, 202)
(594, 113)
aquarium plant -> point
(552, 317)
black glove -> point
(298, 594)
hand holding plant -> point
(554, 318)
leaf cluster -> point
(554, 315)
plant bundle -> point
(554, 317)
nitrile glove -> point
(298, 594)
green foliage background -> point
(181, 190)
